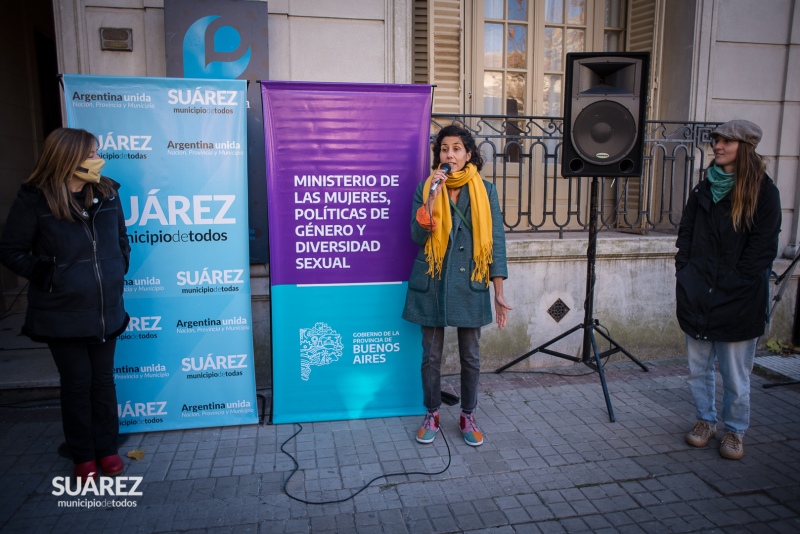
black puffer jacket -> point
(76, 269)
(722, 286)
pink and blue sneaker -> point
(472, 435)
(430, 426)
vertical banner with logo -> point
(177, 146)
(227, 39)
(343, 161)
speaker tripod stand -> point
(590, 357)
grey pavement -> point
(551, 462)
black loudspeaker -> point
(605, 98)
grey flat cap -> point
(739, 130)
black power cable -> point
(297, 467)
(554, 373)
(10, 309)
(31, 405)
(404, 473)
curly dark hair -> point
(466, 138)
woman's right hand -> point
(440, 177)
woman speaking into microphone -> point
(457, 223)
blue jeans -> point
(735, 365)
(469, 352)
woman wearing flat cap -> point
(727, 240)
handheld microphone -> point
(445, 167)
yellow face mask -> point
(89, 170)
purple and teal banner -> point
(178, 147)
(343, 161)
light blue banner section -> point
(335, 365)
(178, 148)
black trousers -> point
(88, 399)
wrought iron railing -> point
(522, 156)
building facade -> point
(712, 61)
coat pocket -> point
(42, 274)
(420, 280)
(741, 299)
(688, 285)
(478, 286)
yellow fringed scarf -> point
(436, 245)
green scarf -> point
(721, 182)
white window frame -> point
(534, 94)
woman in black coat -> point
(727, 241)
(66, 234)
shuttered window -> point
(442, 60)
(645, 30)
(644, 36)
(614, 26)
(420, 34)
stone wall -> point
(634, 301)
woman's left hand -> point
(501, 309)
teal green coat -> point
(455, 300)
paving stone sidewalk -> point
(552, 462)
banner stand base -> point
(450, 399)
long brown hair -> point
(64, 150)
(748, 173)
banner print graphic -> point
(178, 147)
(343, 161)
